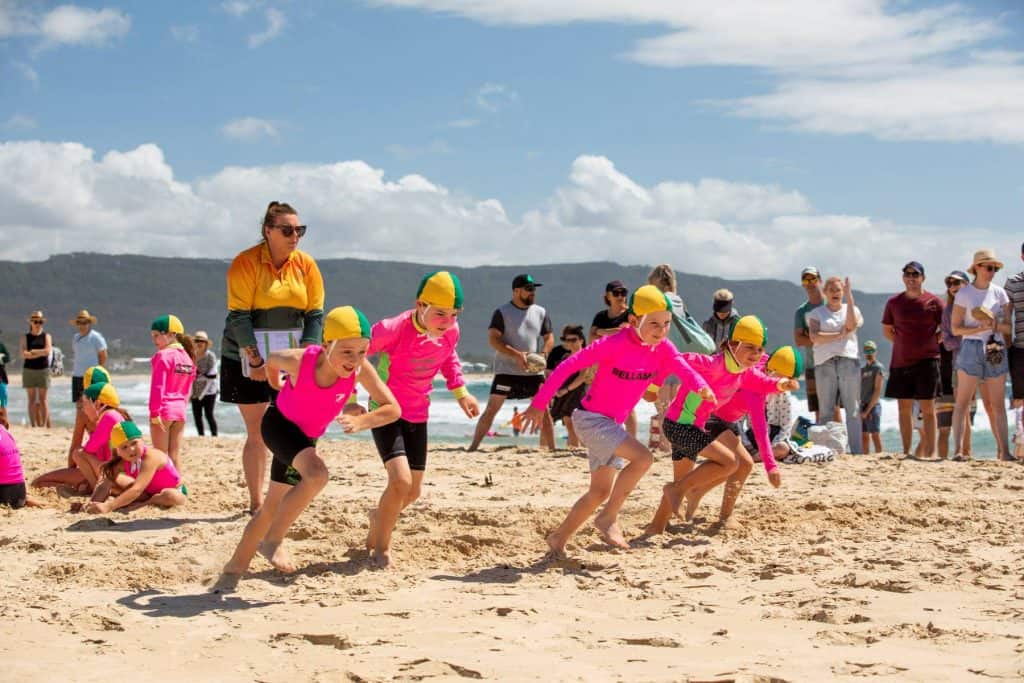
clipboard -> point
(268, 341)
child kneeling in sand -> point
(319, 383)
(137, 474)
(12, 477)
(627, 362)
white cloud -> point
(249, 129)
(188, 33)
(73, 25)
(877, 67)
(20, 122)
(239, 8)
(130, 201)
(495, 96)
(27, 72)
(276, 22)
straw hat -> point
(36, 314)
(83, 318)
(982, 257)
(201, 336)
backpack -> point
(56, 362)
(688, 334)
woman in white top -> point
(981, 315)
(833, 331)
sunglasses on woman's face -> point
(37, 322)
(950, 284)
(289, 230)
(990, 268)
(620, 292)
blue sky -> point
(624, 131)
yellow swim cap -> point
(749, 329)
(93, 375)
(168, 323)
(124, 431)
(346, 322)
(786, 361)
(103, 392)
(441, 289)
(648, 299)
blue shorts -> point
(971, 359)
(872, 424)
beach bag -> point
(832, 435)
(689, 335)
(56, 362)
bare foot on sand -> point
(611, 533)
(382, 560)
(557, 545)
(674, 497)
(277, 556)
(692, 501)
(227, 582)
(371, 534)
(728, 524)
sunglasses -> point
(990, 268)
(954, 283)
(289, 230)
(36, 321)
(571, 339)
(620, 292)
(911, 274)
(810, 279)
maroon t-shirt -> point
(914, 324)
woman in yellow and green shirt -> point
(275, 299)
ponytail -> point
(188, 344)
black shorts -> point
(919, 381)
(689, 440)
(237, 388)
(285, 440)
(13, 495)
(812, 389)
(516, 386)
(77, 386)
(1017, 371)
(403, 438)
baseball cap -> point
(916, 265)
(810, 270)
(958, 275)
(870, 346)
(613, 285)
(523, 280)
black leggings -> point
(204, 405)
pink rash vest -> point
(98, 445)
(170, 386)
(166, 476)
(309, 407)
(10, 459)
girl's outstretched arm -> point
(387, 410)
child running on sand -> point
(73, 478)
(12, 477)
(170, 388)
(136, 475)
(627, 363)
(785, 362)
(320, 381)
(413, 347)
(693, 430)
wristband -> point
(460, 392)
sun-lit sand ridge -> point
(862, 567)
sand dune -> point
(858, 568)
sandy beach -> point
(864, 567)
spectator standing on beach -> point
(204, 389)
(5, 358)
(948, 347)
(872, 377)
(89, 349)
(568, 397)
(810, 280)
(517, 328)
(35, 370)
(275, 301)
(614, 317)
(722, 317)
(1015, 291)
(833, 331)
(981, 316)
(911, 321)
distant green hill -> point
(127, 292)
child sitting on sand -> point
(136, 475)
(627, 361)
(413, 347)
(319, 381)
(170, 387)
(12, 478)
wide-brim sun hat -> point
(83, 318)
(36, 315)
(981, 257)
(441, 289)
(346, 322)
(201, 336)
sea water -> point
(447, 422)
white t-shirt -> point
(994, 299)
(834, 321)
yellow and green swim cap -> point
(346, 322)
(441, 289)
(786, 361)
(168, 323)
(104, 392)
(648, 299)
(123, 432)
(94, 375)
(749, 329)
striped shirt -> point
(1015, 289)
